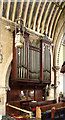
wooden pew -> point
(49, 113)
(49, 107)
(29, 105)
(58, 113)
(41, 103)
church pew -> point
(47, 110)
(29, 105)
(41, 103)
(32, 105)
(58, 113)
(48, 107)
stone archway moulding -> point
(7, 70)
(58, 42)
(55, 58)
(63, 38)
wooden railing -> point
(19, 109)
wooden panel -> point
(41, 62)
(38, 94)
(14, 62)
(48, 107)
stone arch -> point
(58, 45)
(58, 59)
(7, 71)
(56, 51)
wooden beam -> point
(45, 17)
(31, 13)
(25, 12)
(49, 19)
(52, 21)
(57, 21)
(36, 14)
(14, 10)
(7, 10)
(57, 5)
(20, 10)
(40, 17)
(1, 7)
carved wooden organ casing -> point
(31, 67)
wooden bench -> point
(51, 112)
(41, 103)
(49, 107)
(58, 113)
(48, 113)
(29, 105)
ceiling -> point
(38, 16)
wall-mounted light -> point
(8, 27)
(19, 33)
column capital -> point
(56, 68)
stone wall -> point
(60, 30)
(7, 52)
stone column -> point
(2, 89)
(2, 100)
(56, 82)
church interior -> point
(32, 60)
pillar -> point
(56, 82)
(2, 100)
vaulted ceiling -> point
(39, 16)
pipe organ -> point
(34, 61)
(31, 72)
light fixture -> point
(19, 33)
(8, 27)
